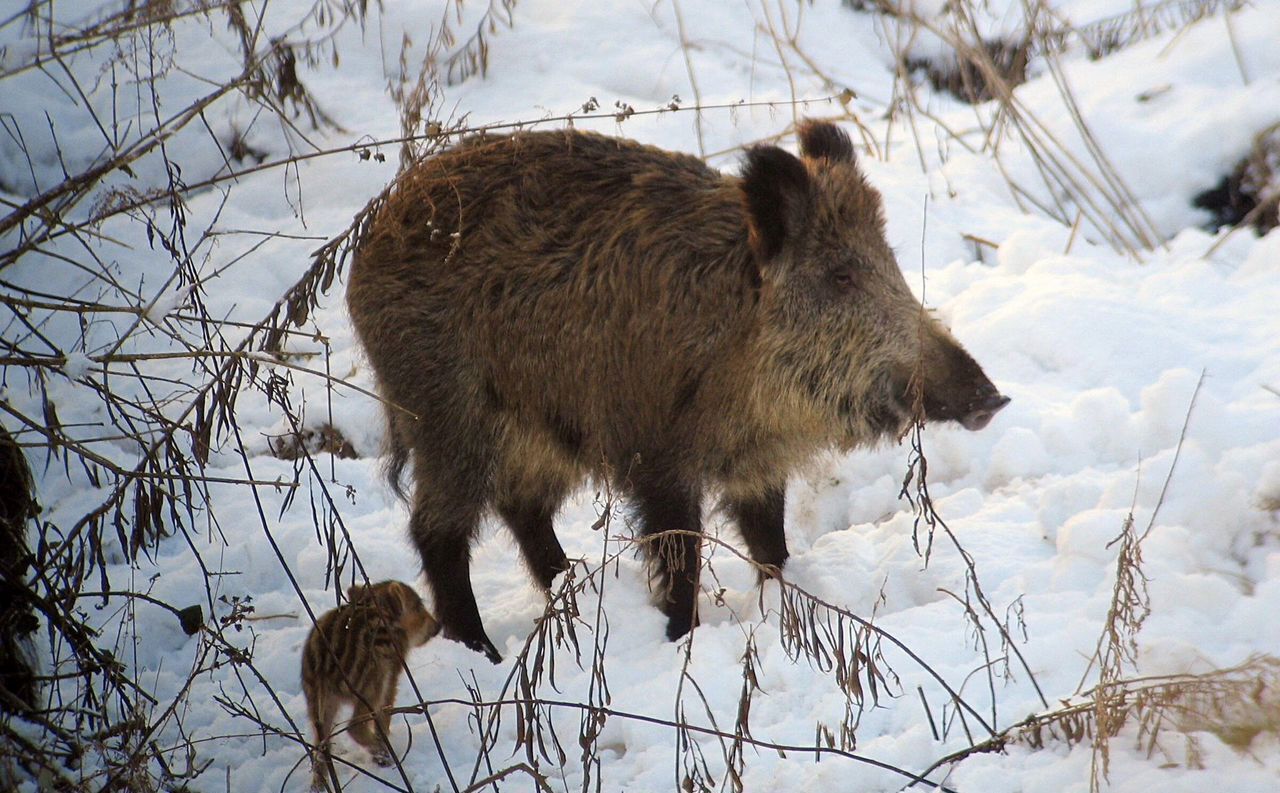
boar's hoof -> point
(981, 414)
(488, 650)
(481, 645)
(679, 626)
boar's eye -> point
(842, 279)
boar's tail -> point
(397, 457)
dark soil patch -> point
(325, 439)
(962, 74)
(1250, 194)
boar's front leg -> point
(668, 505)
(531, 521)
(759, 520)
(447, 564)
(446, 514)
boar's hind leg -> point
(670, 506)
(531, 523)
(759, 520)
(446, 513)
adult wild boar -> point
(552, 306)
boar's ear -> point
(777, 191)
(820, 140)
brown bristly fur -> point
(353, 657)
(562, 305)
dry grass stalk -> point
(1237, 705)
(1117, 648)
(979, 612)
(1088, 188)
(1101, 37)
(1130, 606)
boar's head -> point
(839, 321)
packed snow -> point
(1119, 364)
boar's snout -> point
(983, 411)
(973, 412)
(956, 389)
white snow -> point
(1102, 352)
(76, 365)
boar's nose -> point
(980, 414)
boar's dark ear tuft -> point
(820, 140)
(776, 188)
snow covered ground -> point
(1106, 354)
